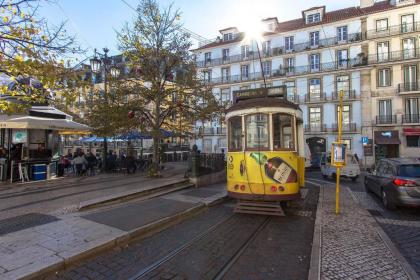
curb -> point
(315, 263)
(126, 238)
(388, 242)
(128, 195)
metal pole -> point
(105, 151)
(340, 125)
(261, 65)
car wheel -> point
(386, 201)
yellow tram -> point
(265, 160)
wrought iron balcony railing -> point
(346, 127)
(221, 130)
(408, 87)
(316, 97)
(348, 95)
(316, 127)
(252, 55)
(206, 131)
(393, 56)
(411, 118)
(386, 119)
(393, 30)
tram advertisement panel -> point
(258, 169)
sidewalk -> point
(352, 245)
(32, 252)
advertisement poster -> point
(19, 136)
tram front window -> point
(257, 132)
(235, 134)
(282, 132)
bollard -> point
(195, 161)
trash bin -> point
(39, 172)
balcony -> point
(355, 37)
(408, 87)
(348, 95)
(386, 119)
(291, 71)
(411, 118)
(293, 98)
(315, 128)
(315, 97)
(221, 130)
(393, 30)
(347, 127)
(206, 131)
(393, 56)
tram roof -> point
(262, 102)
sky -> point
(95, 22)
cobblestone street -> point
(201, 248)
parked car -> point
(396, 181)
(351, 170)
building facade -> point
(317, 56)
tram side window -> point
(257, 132)
(235, 134)
(282, 132)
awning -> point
(390, 137)
(411, 131)
(30, 122)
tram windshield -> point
(283, 132)
(235, 134)
(257, 132)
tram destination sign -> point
(278, 91)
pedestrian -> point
(80, 164)
(91, 163)
(131, 159)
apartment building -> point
(315, 57)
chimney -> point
(366, 3)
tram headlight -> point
(273, 188)
(281, 189)
(236, 187)
(242, 187)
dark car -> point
(396, 181)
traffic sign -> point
(365, 139)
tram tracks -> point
(208, 245)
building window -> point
(407, 23)
(207, 146)
(343, 83)
(342, 34)
(381, 25)
(228, 37)
(315, 89)
(289, 43)
(291, 90)
(314, 38)
(290, 65)
(383, 51)
(256, 131)
(313, 18)
(342, 58)
(225, 54)
(225, 95)
(346, 115)
(314, 62)
(244, 72)
(409, 48)
(225, 74)
(283, 132)
(411, 110)
(266, 65)
(413, 141)
(315, 117)
(207, 76)
(266, 48)
(245, 51)
(410, 78)
(385, 107)
(384, 77)
(207, 57)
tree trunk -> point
(156, 141)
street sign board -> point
(368, 148)
(338, 152)
(365, 140)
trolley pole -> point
(340, 127)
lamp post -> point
(101, 62)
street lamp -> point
(101, 62)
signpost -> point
(338, 153)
